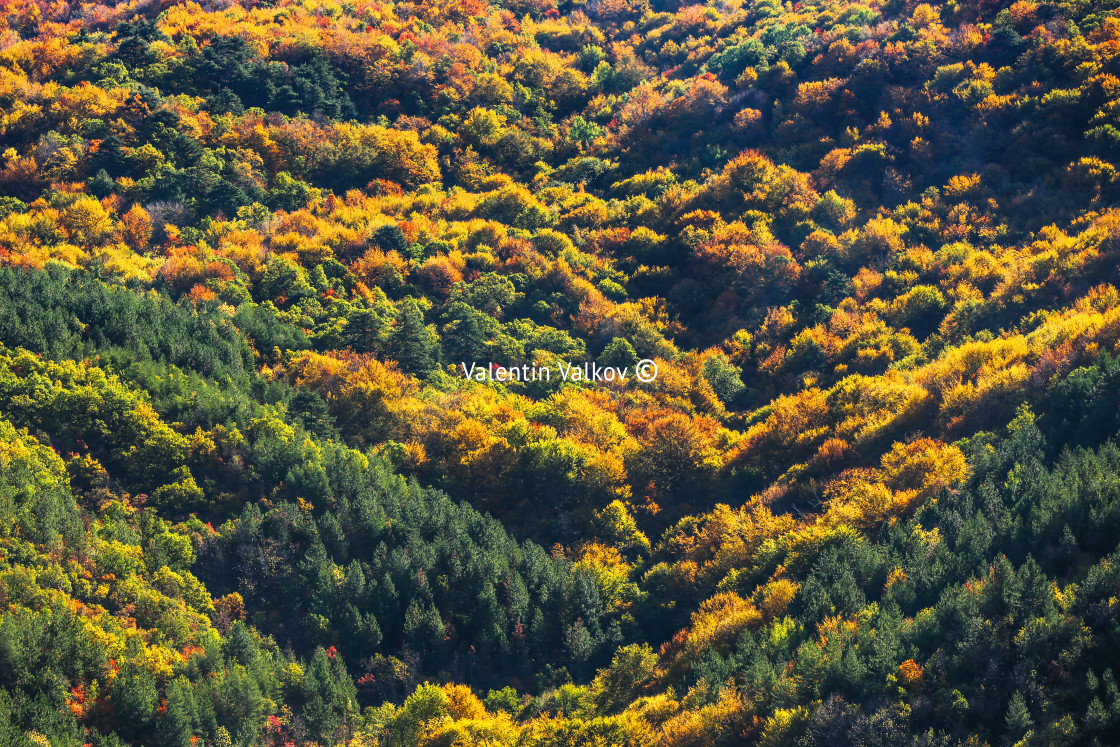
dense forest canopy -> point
(249, 497)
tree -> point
(579, 644)
(723, 377)
(584, 132)
(101, 184)
(1018, 720)
(135, 699)
(175, 726)
(365, 331)
(283, 278)
(410, 342)
(619, 353)
(136, 228)
(615, 526)
(422, 710)
(615, 687)
(390, 238)
(329, 696)
(462, 337)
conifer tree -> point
(462, 337)
(175, 726)
(135, 699)
(618, 353)
(411, 343)
(1018, 719)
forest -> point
(251, 495)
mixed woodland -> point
(248, 497)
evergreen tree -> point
(390, 238)
(411, 343)
(101, 184)
(579, 644)
(1018, 719)
(329, 697)
(135, 699)
(619, 353)
(462, 337)
(365, 331)
(176, 725)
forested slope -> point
(248, 496)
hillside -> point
(252, 494)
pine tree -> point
(365, 330)
(1019, 719)
(240, 705)
(579, 644)
(619, 353)
(462, 337)
(101, 184)
(390, 238)
(1096, 717)
(134, 699)
(411, 343)
(329, 695)
(175, 726)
